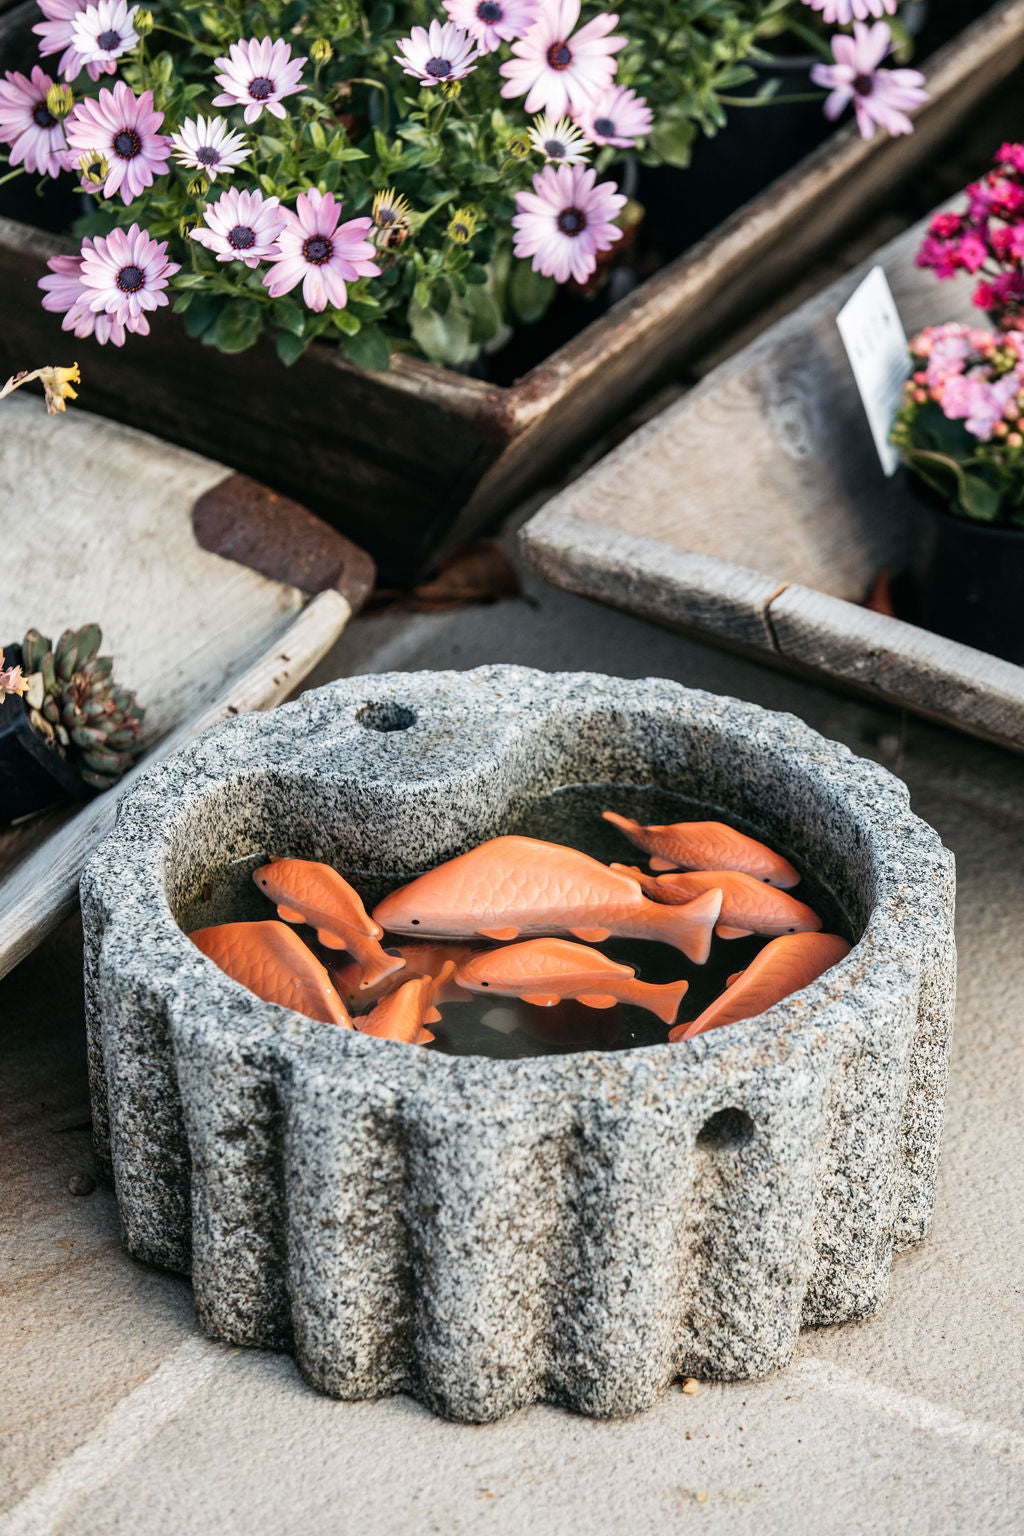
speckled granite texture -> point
(482, 1233)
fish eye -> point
(415, 921)
(263, 882)
(791, 930)
(485, 983)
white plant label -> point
(876, 345)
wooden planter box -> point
(414, 460)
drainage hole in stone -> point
(386, 717)
(726, 1130)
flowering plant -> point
(986, 239)
(390, 174)
(961, 424)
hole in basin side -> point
(726, 1130)
(386, 715)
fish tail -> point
(633, 830)
(688, 928)
(377, 965)
(663, 1000)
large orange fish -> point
(517, 886)
(307, 892)
(783, 966)
(545, 971)
(404, 1013)
(272, 961)
(420, 960)
(706, 845)
(748, 905)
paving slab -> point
(116, 1416)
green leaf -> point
(203, 312)
(290, 316)
(237, 329)
(289, 347)
(672, 138)
(979, 499)
(368, 349)
(529, 294)
(348, 323)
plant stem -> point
(771, 101)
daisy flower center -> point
(207, 156)
(130, 279)
(127, 144)
(438, 67)
(317, 250)
(572, 221)
(863, 85)
(261, 88)
(554, 149)
(42, 116)
(489, 10)
(109, 40)
(559, 55)
(604, 126)
(242, 236)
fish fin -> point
(328, 939)
(686, 1031)
(424, 1037)
(664, 1000)
(725, 932)
(290, 915)
(734, 977)
(541, 999)
(596, 999)
(657, 863)
(590, 935)
(499, 933)
(432, 1016)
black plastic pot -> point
(967, 577)
(33, 775)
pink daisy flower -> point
(320, 253)
(243, 226)
(65, 294)
(123, 128)
(841, 12)
(881, 97)
(566, 220)
(205, 144)
(436, 53)
(126, 272)
(257, 75)
(557, 71)
(492, 22)
(29, 127)
(102, 32)
(55, 35)
(618, 116)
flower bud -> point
(143, 22)
(198, 186)
(320, 51)
(94, 168)
(519, 146)
(59, 100)
(187, 224)
(462, 226)
(452, 89)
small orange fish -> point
(420, 960)
(748, 905)
(783, 966)
(272, 961)
(518, 886)
(707, 845)
(545, 971)
(307, 892)
(403, 1014)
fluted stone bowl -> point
(483, 1233)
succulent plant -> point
(74, 702)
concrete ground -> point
(116, 1416)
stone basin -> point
(483, 1234)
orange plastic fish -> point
(517, 886)
(748, 905)
(707, 845)
(420, 960)
(307, 892)
(272, 961)
(403, 1014)
(783, 966)
(545, 971)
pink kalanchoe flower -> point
(320, 253)
(122, 127)
(617, 116)
(35, 136)
(243, 226)
(492, 22)
(566, 220)
(437, 53)
(103, 32)
(127, 272)
(65, 294)
(205, 144)
(257, 75)
(841, 12)
(55, 37)
(558, 71)
(881, 97)
(12, 680)
(1011, 155)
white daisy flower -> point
(207, 144)
(558, 140)
(103, 32)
